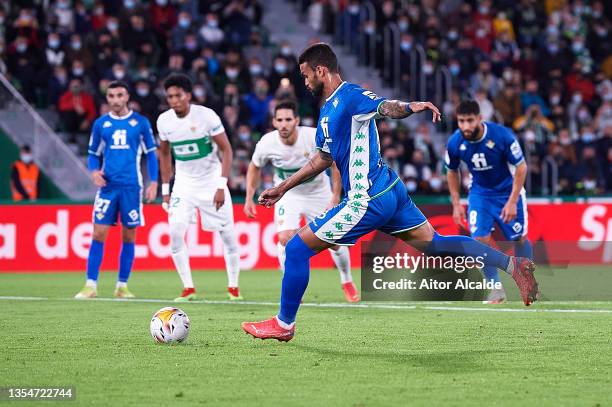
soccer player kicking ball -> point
(375, 199)
(194, 135)
(289, 148)
(121, 136)
(495, 161)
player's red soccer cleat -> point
(350, 292)
(526, 282)
(188, 294)
(268, 329)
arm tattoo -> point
(394, 109)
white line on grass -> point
(325, 305)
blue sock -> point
(295, 279)
(96, 252)
(126, 259)
(491, 274)
(523, 249)
(464, 245)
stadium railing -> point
(25, 126)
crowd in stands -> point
(540, 67)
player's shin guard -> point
(280, 253)
(342, 260)
(126, 260)
(295, 279)
(231, 255)
(466, 246)
(96, 252)
(523, 249)
(180, 255)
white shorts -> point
(184, 202)
(289, 210)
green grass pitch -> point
(405, 354)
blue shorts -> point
(112, 202)
(485, 211)
(391, 212)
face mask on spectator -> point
(565, 141)
(199, 93)
(61, 77)
(483, 10)
(529, 136)
(405, 45)
(255, 69)
(129, 4)
(411, 186)
(98, 11)
(191, 45)
(403, 25)
(596, 14)
(481, 33)
(184, 22)
(577, 98)
(286, 51)
(77, 71)
(76, 45)
(555, 99)
(280, 68)
(453, 35)
(587, 137)
(112, 26)
(231, 73)
(553, 48)
(602, 32)
(62, 5)
(436, 183)
(26, 158)
(161, 3)
(454, 69)
(507, 75)
(428, 69)
(244, 136)
(308, 121)
(369, 30)
(583, 115)
(261, 90)
(353, 9)
(577, 46)
(119, 74)
(552, 30)
(21, 47)
(590, 184)
(142, 91)
(213, 23)
(54, 43)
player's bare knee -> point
(484, 239)
(99, 233)
(285, 236)
(128, 235)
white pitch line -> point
(323, 305)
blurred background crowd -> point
(542, 68)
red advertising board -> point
(57, 237)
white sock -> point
(121, 284)
(180, 254)
(342, 259)
(280, 253)
(231, 255)
(181, 262)
(284, 325)
(91, 284)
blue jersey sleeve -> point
(95, 140)
(364, 104)
(513, 151)
(148, 139)
(452, 159)
(322, 136)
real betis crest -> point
(490, 144)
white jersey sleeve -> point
(214, 121)
(261, 155)
(161, 128)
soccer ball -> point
(170, 325)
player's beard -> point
(317, 90)
(474, 136)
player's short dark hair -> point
(26, 148)
(468, 107)
(320, 54)
(180, 81)
(286, 104)
(119, 84)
